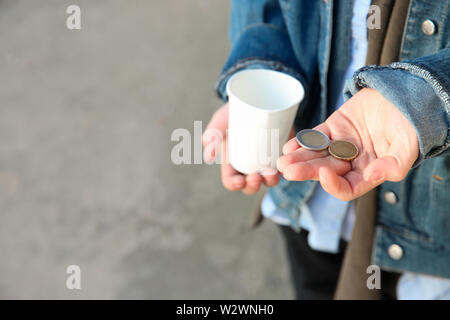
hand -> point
(231, 179)
(387, 142)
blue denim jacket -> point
(308, 39)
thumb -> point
(218, 124)
(215, 133)
(384, 168)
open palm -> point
(387, 142)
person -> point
(375, 73)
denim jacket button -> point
(390, 197)
(428, 27)
(283, 204)
(395, 251)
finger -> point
(214, 133)
(270, 180)
(348, 187)
(300, 155)
(232, 179)
(219, 122)
(309, 170)
(211, 150)
(290, 146)
(335, 185)
(211, 140)
(252, 184)
(385, 168)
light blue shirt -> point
(329, 219)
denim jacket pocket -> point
(439, 215)
(429, 203)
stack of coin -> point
(315, 140)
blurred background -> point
(86, 177)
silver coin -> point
(312, 139)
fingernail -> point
(376, 176)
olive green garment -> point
(383, 48)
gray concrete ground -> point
(85, 171)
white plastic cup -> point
(262, 108)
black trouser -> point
(315, 274)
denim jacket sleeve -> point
(259, 39)
(419, 88)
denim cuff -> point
(260, 46)
(418, 94)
